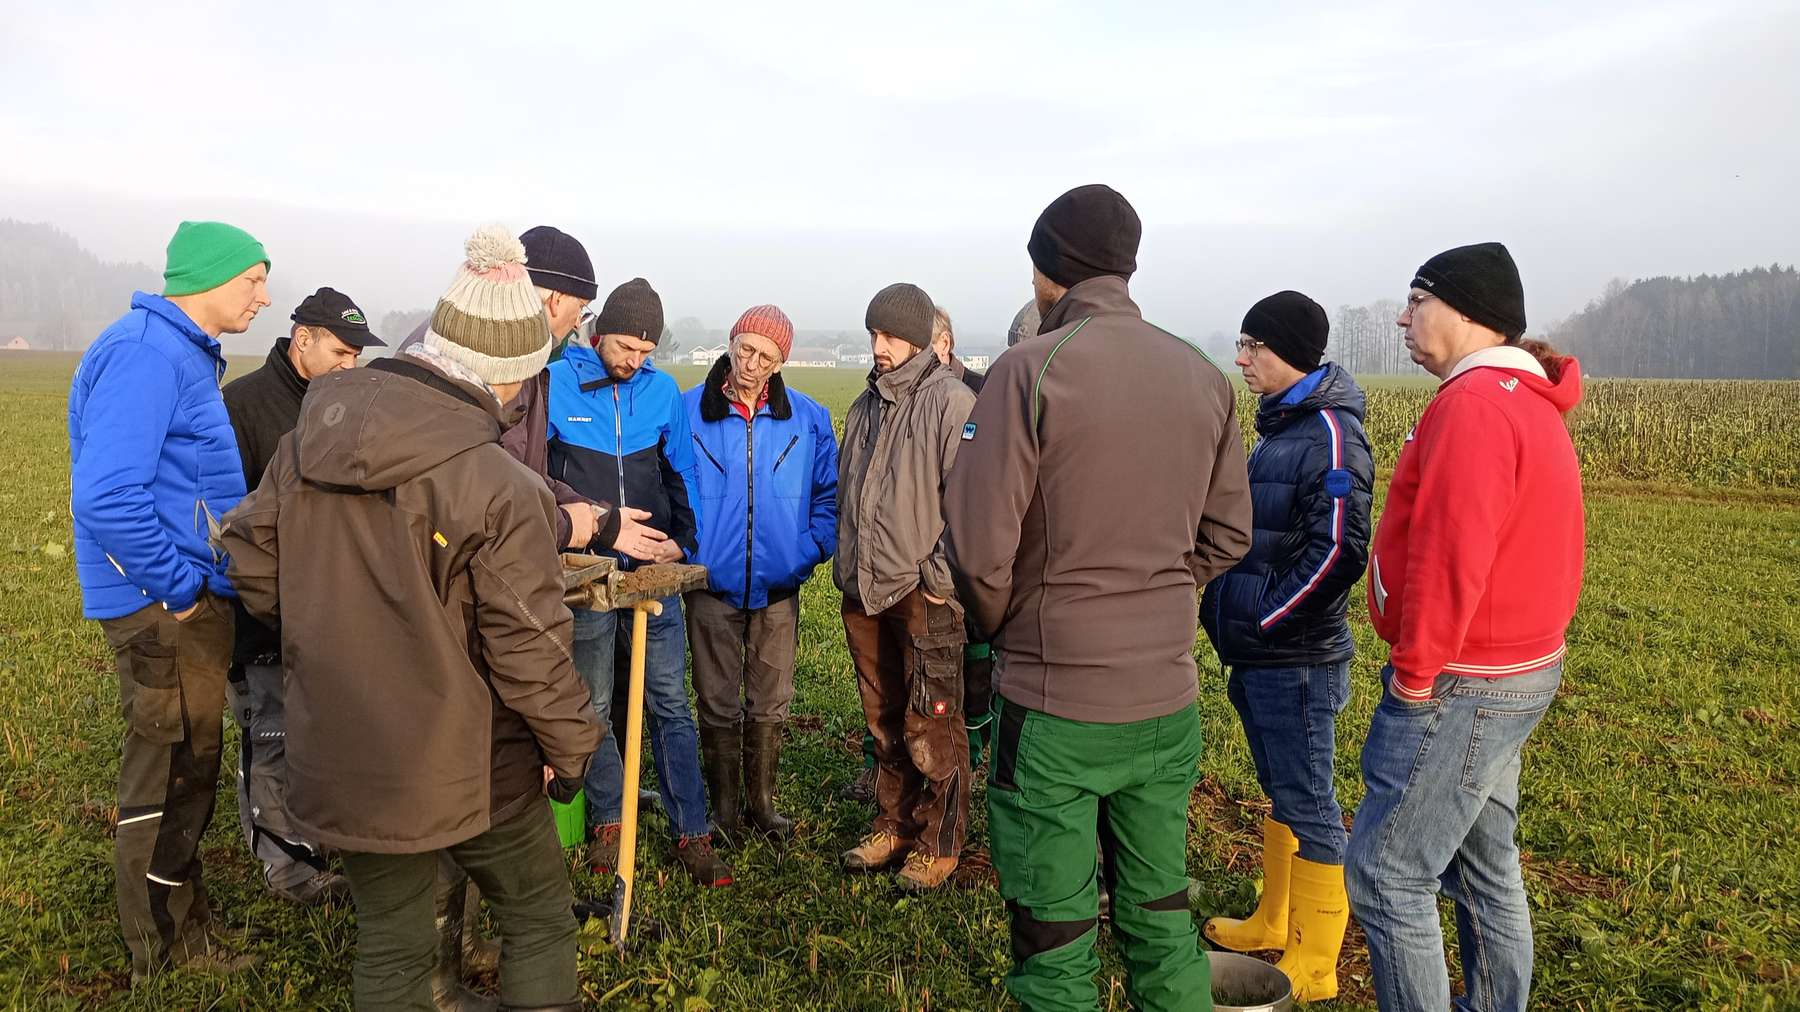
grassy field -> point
(1661, 795)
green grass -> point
(1661, 794)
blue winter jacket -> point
(153, 463)
(765, 491)
(1311, 482)
(622, 441)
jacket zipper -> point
(619, 444)
(749, 501)
(784, 454)
(619, 450)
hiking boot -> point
(702, 862)
(862, 789)
(323, 888)
(877, 852)
(721, 752)
(603, 849)
(762, 752)
(923, 872)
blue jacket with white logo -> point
(1311, 482)
(622, 441)
(153, 463)
(765, 490)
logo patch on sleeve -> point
(969, 431)
(1337, 483)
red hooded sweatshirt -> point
(1476, 565)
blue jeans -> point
(1439, 816)
(673, 742)
(1290, 720)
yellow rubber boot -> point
(1317, 915)
(1267, 928)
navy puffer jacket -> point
(1311, 482)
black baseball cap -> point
(333, 310)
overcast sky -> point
(809, 153)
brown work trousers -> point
(743, 659)
(172, 696)
(909, 671)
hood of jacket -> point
(1563, 391)
(368, 430)
(1327, 387)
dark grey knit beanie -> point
(904, 311)
(633, 308)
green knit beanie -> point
(206, 254)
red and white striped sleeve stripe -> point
(1336, 429)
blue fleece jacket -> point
(153, 463)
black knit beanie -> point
(1481, 282)
(904, 311)
(1292, 326)
(633, 308)
(555, 260)
(1086, 233)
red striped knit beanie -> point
(769, 322)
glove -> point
(562, 790)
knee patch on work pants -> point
(1032, 937)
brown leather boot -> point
(603, 849)
(702, 862)
(721, 752)
(762, 753)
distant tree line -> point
(1365, 340)
(1714, 326)
(57, 295)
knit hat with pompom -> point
(491, 319)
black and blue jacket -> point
(622, 441)
(1311, 483)
(765, 490)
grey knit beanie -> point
(904, 311)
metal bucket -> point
(1246, 984)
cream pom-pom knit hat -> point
(491, 319)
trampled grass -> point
(1661, 794)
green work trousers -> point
(519, 866)
(1055, 786)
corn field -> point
(1719, 433)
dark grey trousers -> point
(743, 659)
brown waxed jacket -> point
(1102, 481)
(412, 565)
(900, 438)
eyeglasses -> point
(1249, 345)
(1417, 299)
(750, 357)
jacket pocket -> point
(937, 675)
(152, 691)
(789, 479)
